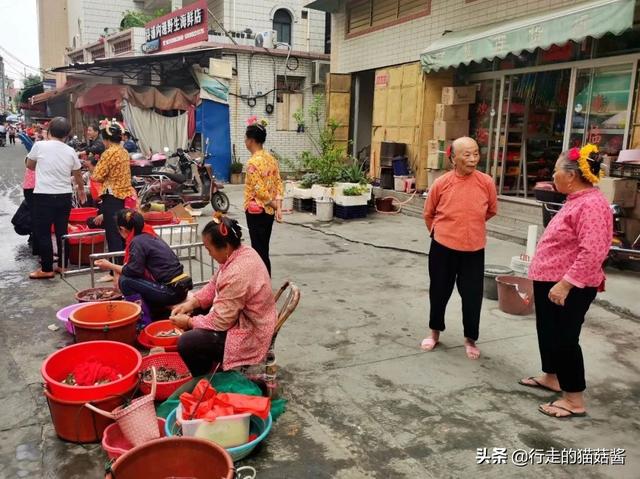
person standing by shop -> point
(11, 130)
(95, 146)
(456, 211)
(114, 174)
(263, 190)
(567, 274)
(54, 163)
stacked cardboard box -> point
(451, 122)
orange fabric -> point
(457, 209)
(208, 404)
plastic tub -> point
(145, 342)
(81, 215)
(81, 296)
(157, 327)
(122, 357)
(115, 444)
(108, 320)
(491, 271)
(186, 457)
(228, 431)
(168, 360)
(81, 248)
(63, 315)
(515, 295)
(75, 423)
(324, 210)
(159, 218)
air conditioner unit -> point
(319, 71)
(266, 39)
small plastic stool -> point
(409, 185)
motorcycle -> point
(190, 182)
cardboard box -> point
(619, 191)
(436, 154)
(458, 95)
(452, 112)
(635, 211)
(631, 229)
(450, 130)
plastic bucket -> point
(324, 210)
(81, 215)
(108, 321)
(115, 444)
(122, 357)
(515, 295)
(398, 182)
(63, 316)
(174, 457)
(157, 327)
(81, 248)
(491, 271)
(287, 204)
(75, 423)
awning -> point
(331, 6)
(68, 87)
(555, 27)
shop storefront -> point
(552, 94)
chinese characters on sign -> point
(174, 25)
(182, 27)
(570, 456)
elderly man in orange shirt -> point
(456, 211)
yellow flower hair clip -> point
(584, 156)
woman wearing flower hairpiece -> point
(237, 329)
(263, 190)
(567, 272)
(114, 173)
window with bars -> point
(364, 15)
(122, 46)
(97, 53)
(77, 57)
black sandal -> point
(537, 385)
(554, 415)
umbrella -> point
(12, 118)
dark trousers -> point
(201, 349)
(50, 210)
(448, 267)
(559, 334)
(156, 295)
(12, 139)
(109, 206)
(260, 227)
(28, 198)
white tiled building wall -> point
(285, 143)
(258, 16)
(403, 43)
(89, 18)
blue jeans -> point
(156, 295)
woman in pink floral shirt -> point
(241, 318)
(567, 274)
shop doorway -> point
(362, 108)
(532, 120)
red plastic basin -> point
(81, 215)
(157, 327)
(122, 357)
(115, 444)
(158, 218)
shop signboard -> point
(382, 80)
(177, 29)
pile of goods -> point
(164, 374)
(101, 294)
(91, 373)
(169, 333)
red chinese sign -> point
(176, 29)
(382, 79)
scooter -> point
(190, 182)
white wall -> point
(403, 43)
(258, 15)
(286, 143)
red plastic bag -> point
(92, 371)
(206, 403)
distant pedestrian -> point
(456, 211)
(263, 190)
(11, 130)
(54, 163)
(567, 273)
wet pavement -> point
(364, 401)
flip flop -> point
(537, 385)
(429, 344)
(42, 275)
(568, 416)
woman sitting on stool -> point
(241, 318)
(151, 268)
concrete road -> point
(364, 401)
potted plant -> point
(236, 172)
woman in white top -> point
(54, 163)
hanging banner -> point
(183, 27)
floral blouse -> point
(240, 301)
(114, 172)
(263, 181)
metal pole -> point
(3, 106)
